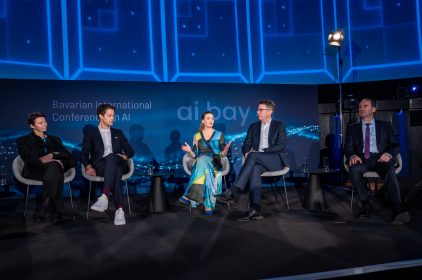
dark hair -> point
(33, 116)
(101, 110)
(373, 103)
(269, 103)
(201, 127)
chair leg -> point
(273, 189)
(71, 201)
(351, 202)
(128, 200)
(225, 188)
(26, 202)
(285, 192)
(89, 199)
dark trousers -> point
(52, 176)
(385, 170)
(257, 163)
(111, 168)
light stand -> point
(351, 107)
(340, 88)
(335, 39)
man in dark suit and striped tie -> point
(370, 146)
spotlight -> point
(335, 38)
(414, 88)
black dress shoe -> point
(251, 215)
(401, 218)
(364, 213)
(226, 197)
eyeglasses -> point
(260, 110)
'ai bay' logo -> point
(229, 113)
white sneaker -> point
(119, 217)
(101, 205)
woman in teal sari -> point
(205, 182)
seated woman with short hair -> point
(46, 160)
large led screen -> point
(235, 41)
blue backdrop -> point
(241, 41)
(158, 117)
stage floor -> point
(182, 245)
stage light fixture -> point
(335, 38)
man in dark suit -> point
(265, 150)
(105, 152)
(370, 146)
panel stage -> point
(182, 245)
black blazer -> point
(31, 147)
(93, 146)
(386, 140)
(277, 139)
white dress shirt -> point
(106, 136)
(263, 139)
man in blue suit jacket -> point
(105, 152)
(370, 146)
(265, 150)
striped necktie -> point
(366, 150)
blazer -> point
(277, 139)
(386, 140)
(93, 146)
(31, 147)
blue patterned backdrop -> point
(240, 41)
(158, 117)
